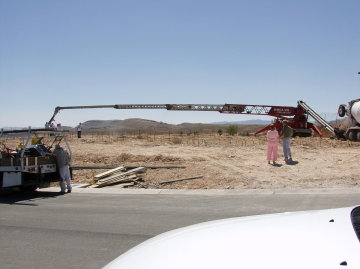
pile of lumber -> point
(120, 175)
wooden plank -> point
(110, 172)
(115, 179)
(158, 167)
(128, 176)
(132, 178)
(93, 186)
(180, 179)
(125, 185)
(137, 170)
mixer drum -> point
(355, 111)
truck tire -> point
(30, 188)
(342, 110)
(352, 135)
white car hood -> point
(309, 239)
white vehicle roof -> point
(308, 239)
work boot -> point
(69, 191)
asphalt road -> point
(88, 230)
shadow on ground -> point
(292, 162)
(14, 197)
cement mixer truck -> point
(352, 111)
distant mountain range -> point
(136, 123)
(150, 126)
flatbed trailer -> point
(31, 164)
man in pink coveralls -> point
(272, 140)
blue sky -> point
(64, 53)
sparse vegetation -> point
(244, 134)
(232, 130)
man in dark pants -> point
(286, 135)
(79, 129)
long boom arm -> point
(297, 115)
(276, 111)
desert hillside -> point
(143, 126)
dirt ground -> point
(222, 162)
